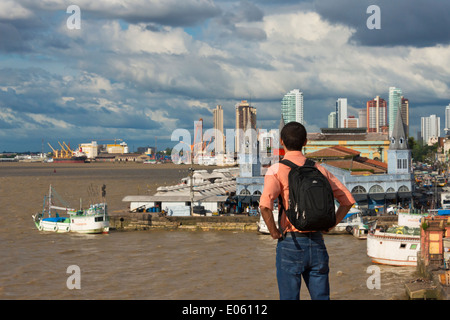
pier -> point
(140, 221)
(150, 221)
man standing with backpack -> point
(305, 192)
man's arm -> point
(267, 215)
(341, 212)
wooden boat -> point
(95, 219)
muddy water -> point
(150, 264)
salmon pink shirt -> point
(276, 183)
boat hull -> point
(90, 224)
(393, 249)
(59, 227)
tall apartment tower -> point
(292, 106)
(395, 100)
(376, 114)
(430, 128)
(245, 119)
(341, 112)
(219, 142)
(447, 119)
(331, 120)
(404, 111)
(362, 117)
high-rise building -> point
(219, 140)
(362, 117)
(376, 114)
(404, 111)
(245, 119)
(395, 100)
(341, 112)
(332, 120)
(447, 119)
(292, 106)
(430, 128)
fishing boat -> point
(95, 219)
(397, 245)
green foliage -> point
(421, 152)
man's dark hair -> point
(293, 135)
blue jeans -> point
(302, 256)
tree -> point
(421, 152)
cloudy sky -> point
(139, 69)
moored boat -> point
(397, 245)
(93, 220)
(360, 231)
(353, 219)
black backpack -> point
(311, 200)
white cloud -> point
(13, 10)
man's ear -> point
(306, 140)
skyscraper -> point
(332, 120)
(219, 145)
(376, 114)
(292, 106)
(404, 111)
(341, 112)
(395, 95)
(447, 119)
(431, 128)
(245, 119)
(362, 117)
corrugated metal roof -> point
(174, 198)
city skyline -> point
(140, 70)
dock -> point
(421, 289)
(129, 221)
(432, 286)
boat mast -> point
(49, 199)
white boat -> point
(360, 231)
(353, 219)
(398, 245)
(95, 219)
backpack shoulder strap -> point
(288, 163)
(308, 163)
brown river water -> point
(156, 265)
